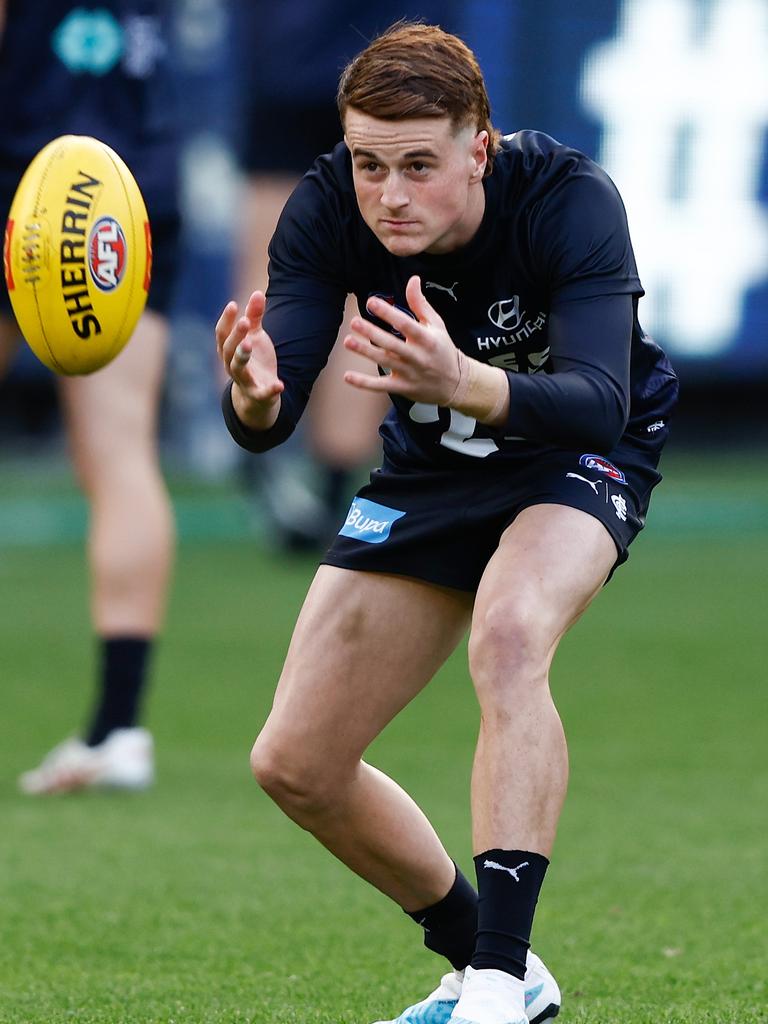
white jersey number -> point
(458, 436)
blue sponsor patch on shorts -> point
(368, 521)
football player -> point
(498, 307)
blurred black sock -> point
(122, 677)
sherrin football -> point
(77, 254)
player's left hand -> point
(424, 367)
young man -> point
(498, 297)
(101, 70)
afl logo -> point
(505, 314)
(603, 466)
(107, 253)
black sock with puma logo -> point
(508, 884)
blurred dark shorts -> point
(165, 253)
(443, 526)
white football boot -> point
(438, 1005)
(490, 997)
(542, 994)
(124, 760)
(542, 998)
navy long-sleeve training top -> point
(547, 289)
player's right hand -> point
(248, 355)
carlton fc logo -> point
(505, 314)
(107, 253)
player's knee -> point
(268, 768)
(509, 647)
(297, 787)
(124, 470)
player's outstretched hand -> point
(423, 365)
(248, 355)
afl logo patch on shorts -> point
(603, 466)
(107, 253)
(369, 521)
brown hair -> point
(415, 70)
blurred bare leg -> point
(9, 341)
(264, 197)
(111, 420)
(350, 440)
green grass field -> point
(198, 903)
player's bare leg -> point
(111, 420)
(364, 645)
(549, 565)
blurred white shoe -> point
(124, 760)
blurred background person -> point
(291, 56)
(100, 70)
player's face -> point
(418, 181)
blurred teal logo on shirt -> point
(89, 41)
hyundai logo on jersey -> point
(368, 521)
(603, 466)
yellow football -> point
(77, 254)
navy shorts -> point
(443, 526)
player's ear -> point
(479, 155)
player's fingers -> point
(257, 389)
(418, 303)
(233, 339)
(242, 354)
(365, 382)
(248, 375)
(378, 336)
(390, 356)
(402, 322)
(224, 323)
(388, 359)
(254, 309)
